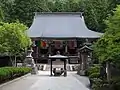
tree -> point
(108, 47)
(13, 39)
(6, 7)
(67, 6)
(1, 14)
(96, 11)
(23, 10)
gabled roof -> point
(60, 25)
(85, 47)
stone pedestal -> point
(58, 57)
(82, 72)
(29, 62)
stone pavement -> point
(43, 81)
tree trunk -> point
(108, 71)
(15, 64)
(11, 61)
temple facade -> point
(60, 31)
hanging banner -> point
(37, 43)
(41, 43)
(72, 44)
(58, 44)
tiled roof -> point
(60, 25)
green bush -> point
(94, 75)
(7, 73)
(99, 84)
(93, 71)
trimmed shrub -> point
(7, 73)
(94, 75)
(93, 71)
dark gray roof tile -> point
(60, 25)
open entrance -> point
(43, 52)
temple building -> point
(59, 31)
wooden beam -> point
(51, 67)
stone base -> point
(65, 73)
(81, 72)
(34, 70)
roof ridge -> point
(59, 13)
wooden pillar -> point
(49, 54)
(66, 47)
(79, 57)
(49, 49)
(79, 60)
(51, 67)
(37, 53)
(65, 71)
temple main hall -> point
(65, 32)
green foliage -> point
(23, 10)
(7, 73)
(67, 6)
(1, 14)
(108, 47)
(99, 84)
(94, 71)
(6, 6)
(96, 11)
(94, 75)
(13, 38)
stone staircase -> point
(54, 66)
(46, 67)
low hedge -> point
(8, 73)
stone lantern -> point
(58, 57)
(84, 52)
(29, 62)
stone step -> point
(60, 66)
(46, 67)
